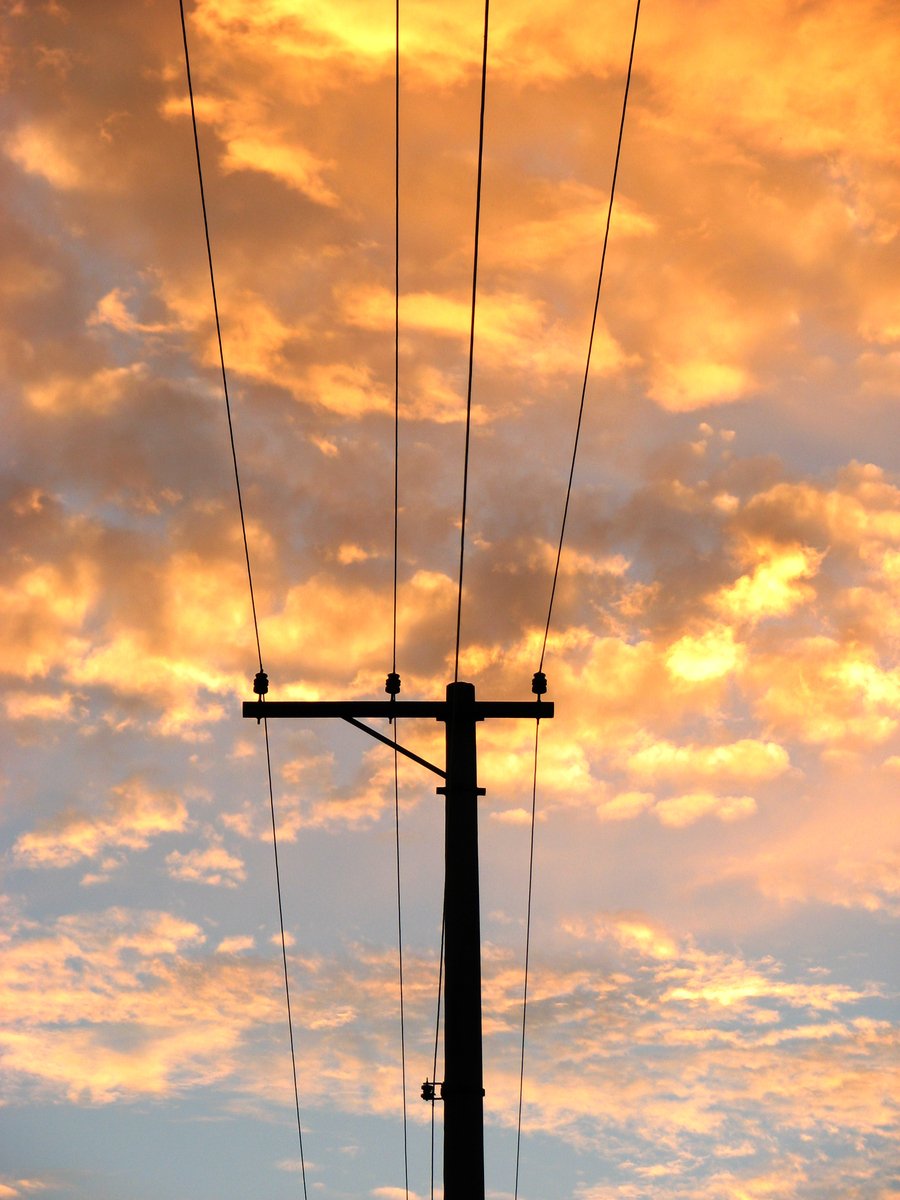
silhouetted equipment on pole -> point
(462, 1090)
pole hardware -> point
(423, 762)
(463, 1088)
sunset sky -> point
(713, 1003)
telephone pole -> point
(462, 1090)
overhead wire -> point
(287, 986)
(395, 574)
(587, 365)
(237, 481)
(559, 549)
(465, 489)
(396, 324)
(212, 281)
(437, 1034)
(537, 729)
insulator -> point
(261, 683)
(392, 684)
(539, 683)
(428, 1090)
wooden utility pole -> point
(463, 1088)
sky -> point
(713, 990)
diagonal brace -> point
(423, 762)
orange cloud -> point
(213, 865)
(820, 691)
(747, 759)
(775, 586)
(133, 815)
(679, 811)
(708, 655)
(513, 330)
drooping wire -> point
(287, 986)
(437, 1034)
(562, 533)
(537, 728)
(396, 320)
(587, 365)
(212, 282)
(462, 526)
(237, 481)
(400, 969)
(396, 558)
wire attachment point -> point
(392, 684)
(260, 686)
(539, 683)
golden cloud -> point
(821, 691)
(747, 759)
(775, 586)
(679, 811)
(132, 816)
(709, 655)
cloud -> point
(725, 624)
(292, 164)
(679, 811)
(213, 865)
(822, 691)
(37, 150)
(101, 391)
(747, 759)
(513, 330)
(822, 857)
(235, 944)
(708, 655)
(42, 706)
(774, 588)
(625, 806)
(133, 815)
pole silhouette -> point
(462, 1090)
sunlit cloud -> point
(719, 776)
(213, 865)
(678, 811)
(706, 656)
(132, 816)
(747, 759)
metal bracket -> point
(423, 762)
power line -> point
(537, 727)
(400, 966)
(437, 1034)
(212, 281)
(261, 680)
(394, 680)
(396, 319)
(287, 986)
(587, 365)
(562, 532)
(462, 527)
